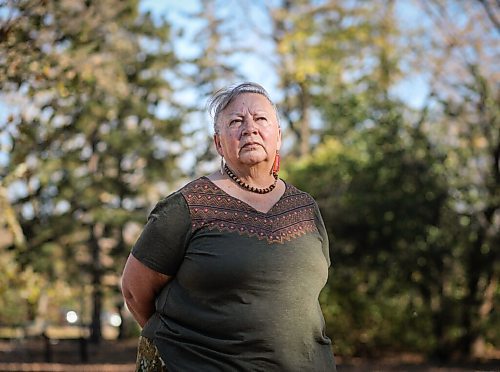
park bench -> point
(52, 337)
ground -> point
(119, 356)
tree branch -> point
(490, 13)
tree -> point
(210, 69)
(382, 198)
(325, 52)
(102, 136)
(451, 232)
(466, 103)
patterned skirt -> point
(148, 357)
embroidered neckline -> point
(239, 201)
(211, 208)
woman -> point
(227, 272)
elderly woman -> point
(226, 274)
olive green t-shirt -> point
(244, 296)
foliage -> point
(206, 71)
(94, 83)
(381, 198)
(327, 50)
(413, 206)
(15, 304)
(410, 197)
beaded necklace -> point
(242, 184)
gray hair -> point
(223, 97)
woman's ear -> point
(218, 146)
(278, 144)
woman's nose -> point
(249, 126)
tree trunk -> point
(95, 326)
(442, 352)
(305, 125)
(122, 330)
(474, 266)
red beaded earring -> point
(276, 164)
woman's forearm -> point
(141, 309)
(140, 286)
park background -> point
(390, 114)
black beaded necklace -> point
(242, 184)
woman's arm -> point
(140, 286)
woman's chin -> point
(251, 161)
(252, 158)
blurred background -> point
(391, 120)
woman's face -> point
(248, 131)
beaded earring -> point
(276, 165)
(222, 164)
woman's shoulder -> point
(179, 196)
(198, 184)
(169, 203)
(175, 198)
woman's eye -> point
(235, 122)
(261, 120)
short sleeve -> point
(322, 232)
(162, 244)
